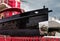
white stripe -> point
(16, 3)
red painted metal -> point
(11, 9)
(8, 11)
(11, 4)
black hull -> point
(25, 24)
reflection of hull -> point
(21, 32)
(26, 23)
